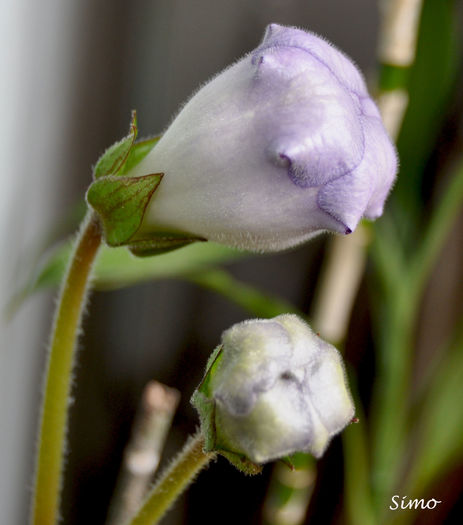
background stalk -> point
(143, 452)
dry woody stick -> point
(144, 450)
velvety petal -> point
(279, 424)
(327, 54)
(229, 193)
(280, 146)
(305, 344)
(345, 199)
(363, 192)
(319, 136)
(330, 397)
(379, 166)
(277, 389)
(255, 355)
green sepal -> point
(242, 463)
(121, 203)
(301, 460)
(288, 462)
(137, 153)
(212, 364)
(206, 411)
(113, 159)
(158, 243)
(205, 405)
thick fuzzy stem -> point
(51, 443)
(174, 481)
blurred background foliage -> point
(157, 318)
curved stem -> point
(51, 443)
(180, 473)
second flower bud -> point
(272, 388)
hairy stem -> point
(174, 481)
(52, 434)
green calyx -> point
(121, 201)
(125, 154)
(159, 242)
(205, 404)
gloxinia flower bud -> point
(283, 144)
(273, 388)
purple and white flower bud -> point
(282, 145)
(274, 388)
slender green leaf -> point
(118, 268)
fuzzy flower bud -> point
(273, 388)
(282, 145)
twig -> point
(397, 41)
(339, 284)
(143, 453)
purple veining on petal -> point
(369, 108)
(311, 165)
(344, 229)
(257, 59)
(299, 172)
(323, 139)
(345, 199)
(303, 173)
(322, 62)
(327, 54)
(363, 192)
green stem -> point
(174, 481)
(51, 444)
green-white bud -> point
(272, 388)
